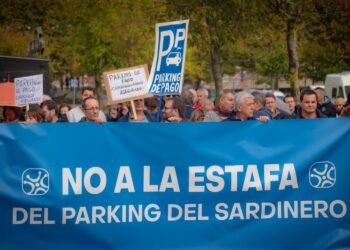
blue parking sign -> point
(74, 83)
(167, 72)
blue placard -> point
(167, 72)
(239, 185)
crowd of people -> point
(191, 106)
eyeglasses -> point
(93, 108)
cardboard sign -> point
(126, 84)
(167, 74)
(7, 94)
(29, 89)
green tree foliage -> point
(309, 25)
(324, 41)
(215, 25)
(89, 37)
(273, 65)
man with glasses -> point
(91, 109)
(75, 114)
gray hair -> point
(203, 91)
(224, 92)
(260, 97)
(240, 97)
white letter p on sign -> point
(162, 52)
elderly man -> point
(339, 103)
(75, 114)
(224, 109)
(91, 110)
(324, 103)
(308, 106)
(244, 107)
(202, 95)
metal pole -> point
(74, 95)
(159, 108)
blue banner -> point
(236, 185)
(167, 73)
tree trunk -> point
(276, 85)
(98, 89)
(216, 69)
(292, 55)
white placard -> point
(127, 84)
(29, 89)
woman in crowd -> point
(34, 115)
(12, 114)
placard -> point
(126, 84)
(167, 74)
(29, 89)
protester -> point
(308, 106)
(114, 113)
(202, 95)
(244, 107)
(271, 104)
(194, 97)
(141, 114)
(12, 114)
(177, 110)
(261, 113)
(207, 106)
(167, 110)
(224, 109)
(324, 103)
(188, 100)
(197, 115)
(91, 110)
(290, 101)
(49, 109)
(63, 109)
(34, 115)
(345, 111)
(151, 104)
(62, 112)
(339, 104)
(77, 113)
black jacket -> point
(327, 108)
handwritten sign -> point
(126, 84)
(29, 89)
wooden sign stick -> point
(133, 109)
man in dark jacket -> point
(308, 106)
(141, 114)
(324, 103)
(271, 103)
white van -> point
(338, 85)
